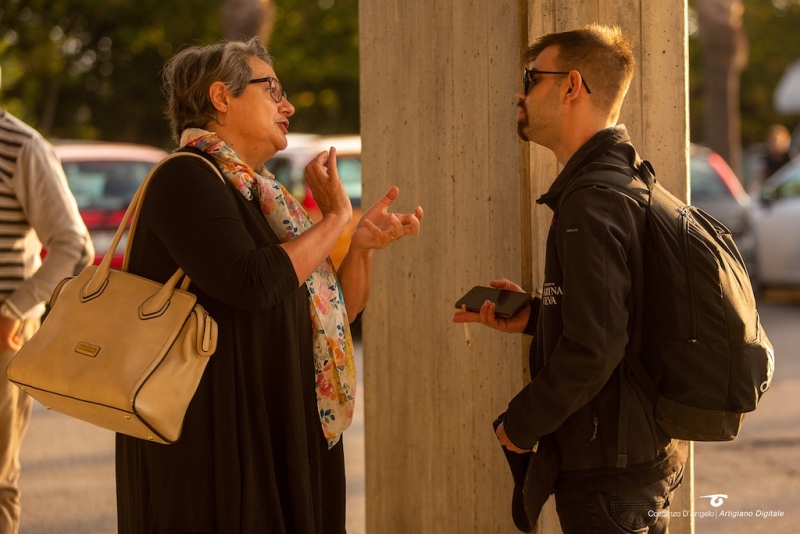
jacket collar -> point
(590, 151)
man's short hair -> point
(189, 74)
(602, 54)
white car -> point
(778, 228)
(288, 166)
(717, 191)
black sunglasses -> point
(528, 82)
(275, 88)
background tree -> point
(92, 68)
(770, 26)
(244, 19)
(724, 47)
(315, 44)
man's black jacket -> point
(589, 317)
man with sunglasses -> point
(617, 469)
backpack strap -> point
(634, 363)
(645, 173)
(631, 366)
(622, 433)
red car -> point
(103, 177)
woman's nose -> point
(287, 108)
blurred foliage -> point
(769, 25)
(315, 46)
(92, 68)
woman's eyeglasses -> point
(275, 88)
(528, 80)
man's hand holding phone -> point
(487, 316)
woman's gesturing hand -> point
(486, 316)
(377, 227)
(322, 178)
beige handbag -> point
(117, 350)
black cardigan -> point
(252, 457)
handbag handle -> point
(95, 286)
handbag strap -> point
(185, 284)
(100, 278)
(143, 187)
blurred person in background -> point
(777, 152)
(261, 447)
(36, 208)
(794, 146)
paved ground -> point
(354, 461)
(67, 477)
(68, 466)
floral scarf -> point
(334, 364)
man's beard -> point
(523, 124)
(521, 127)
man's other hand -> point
(505, 442)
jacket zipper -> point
(687, 220)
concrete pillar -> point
(438, 119)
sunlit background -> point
(91, 70)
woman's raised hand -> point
(377, 227)
(322, 178)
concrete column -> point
(438, 119)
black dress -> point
(252, 457)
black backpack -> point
(705, 359)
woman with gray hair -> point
(261, 448)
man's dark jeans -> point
(640, 511)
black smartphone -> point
(508, 303)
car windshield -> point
(282, 169)
(107, 185)
(350, 174)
